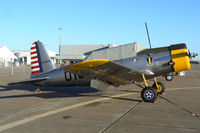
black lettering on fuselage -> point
(70, 76)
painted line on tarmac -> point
(184, 88)
(39, 116)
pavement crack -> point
(164, 126)
(184, 109)
(119, 118)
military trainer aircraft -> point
(148, 64)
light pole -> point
(12, 67)
(60, 29)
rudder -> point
(40, 60)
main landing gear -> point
(160, 87)
(150, 93)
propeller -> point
(192, 55)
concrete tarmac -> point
(111, 110)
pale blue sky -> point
(99, 22)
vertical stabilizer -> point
(40, 60)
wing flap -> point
(27, 81)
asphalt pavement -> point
(110, 110)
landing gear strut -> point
(160, 87)
(149, 94)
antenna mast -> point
(148, 35)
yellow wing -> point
(106, 71)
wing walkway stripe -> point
(35, 117)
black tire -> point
(169, 77)
(161, 88)
(149, 94)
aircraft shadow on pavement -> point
(49, 92)
(59, 92)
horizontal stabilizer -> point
(27, 81)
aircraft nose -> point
(180, 57)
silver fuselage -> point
(159, 66)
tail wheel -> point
(160, 89)
(149, 94)
(169, 77)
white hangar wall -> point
(117, 53)
(76, 52)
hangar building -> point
(74, 52)
(24, 58)
(6, 56)
(90, 52)
(116, 53)
(77, 52)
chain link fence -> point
(15, 71)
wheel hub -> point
(148, 94)
(159, 89)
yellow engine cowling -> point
(180, 57)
